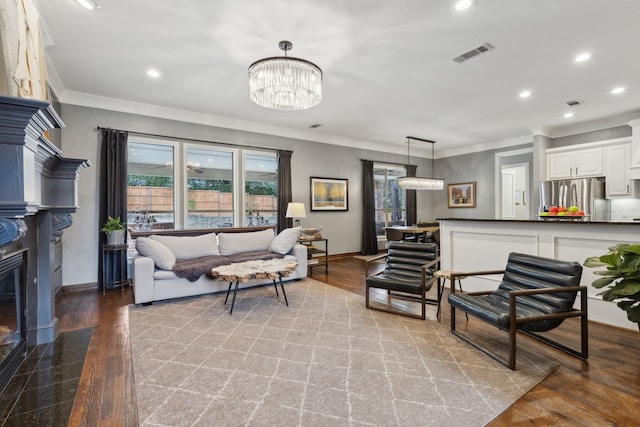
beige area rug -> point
(325, 360)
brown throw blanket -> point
(192, 269)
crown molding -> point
(118, 105)
(487, 146)
(593, 125)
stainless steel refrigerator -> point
(586, 193)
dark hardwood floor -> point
(604, 391)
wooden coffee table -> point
(244, 271)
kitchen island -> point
(484, 244)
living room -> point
(465, 152)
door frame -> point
(498, 157)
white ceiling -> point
(388, 68)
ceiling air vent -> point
(473, 52)
(574, 103)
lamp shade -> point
(295, 210)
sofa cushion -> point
(285, 240)
(233, 243)
(188, 247)
(161, 255)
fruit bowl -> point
(310, 232)
(573, 212)
(562, 217)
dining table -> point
(416, 229)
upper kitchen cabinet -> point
(618, 162)
(575, 164)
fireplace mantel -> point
(34, 174)
(38, 194)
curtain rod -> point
(386, 163)
(228, 144)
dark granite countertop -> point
(548, 220)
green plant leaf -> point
(600, 283)
(607, 295)
(607, 273)
(593, 261)
(610, 259)
(626, 288)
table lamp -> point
(296, 210)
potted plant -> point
(622, 277)
(115, 229)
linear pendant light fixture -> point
(285, 83)
(420, 183)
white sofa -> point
(154, 280)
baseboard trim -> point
(82, 287)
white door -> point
(508, 194)
(514, 191)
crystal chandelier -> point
(420, 183)
(285, 83)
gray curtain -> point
(369, 244)
(412, 205)
(113, 193)
(284, 188)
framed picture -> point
(462, 195)
(329, 194)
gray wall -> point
(473, 167)
(80, 139)
(598, 135)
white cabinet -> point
(575, 164)
(618, 161)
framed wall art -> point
(462, 195)
(329, 194)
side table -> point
(114, 254)
(313, 252)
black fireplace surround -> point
(13, 342)
(37, 197)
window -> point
(179, 185)
(261, 189)
(209, 188)
(390, 200)
(150, 193)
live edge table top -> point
(260, 269)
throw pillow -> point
(159, 253)
(234, 243)
(285, 240)
(189, 247)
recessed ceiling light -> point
(525, 94)
(568, 115)
(617, 90)
(583, 57)
(151, 72)
(464, 4)
(87, 4)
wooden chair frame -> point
(515, 321)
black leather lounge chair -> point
(536, 294)
(407, 275)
